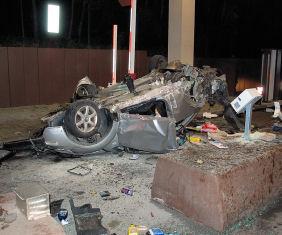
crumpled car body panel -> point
(57, 139)
(146, 133)
(180, 94)
(178, 102)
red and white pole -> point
(131, 58)
(114, 71)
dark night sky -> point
(237, 28)
(224, 28)
(151, 24)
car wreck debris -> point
(134, 156)
(140, 114)
(277, 111)
(277, 127)
(87, 220)
(218, 144)
(105, 194)
(136, 229)
(62, 216)
(155, 231)
(83, 169)
(134, 115)
(32, 200)
(127, 191)
(209, 115)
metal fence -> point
(30, 76)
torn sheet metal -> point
(88, 220)
(147, 133)
(175, 101)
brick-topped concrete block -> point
(219, 198)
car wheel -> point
(157, 62)
(82, 119)
(85, 91)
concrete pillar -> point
(181, 31)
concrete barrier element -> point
(219, 198)
(21, 225)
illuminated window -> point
(53, 18)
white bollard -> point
(114, 71)
(131, 58)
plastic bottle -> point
(127, 191)
(155, 231)
(137, 230)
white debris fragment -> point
(64, 222)
(218, 144)
(209, 115)
(268, 110)
(134, 156)
(277, 111)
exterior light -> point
(53, 18)
(260, 90)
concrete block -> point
(219, 198)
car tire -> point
(157, 62)
(85, 91)
(82, 119)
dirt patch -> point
(221, 160)
(20, 122)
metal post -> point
(271, 87)
(262, 75)
(248, 120)
(262, 69)
(131, 59)
(114, 76)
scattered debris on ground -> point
(87, 220)
(116, 187)
(209, 115)
(81, 170)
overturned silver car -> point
(141, 115)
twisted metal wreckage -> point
(142, 115)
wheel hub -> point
(86, 119)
